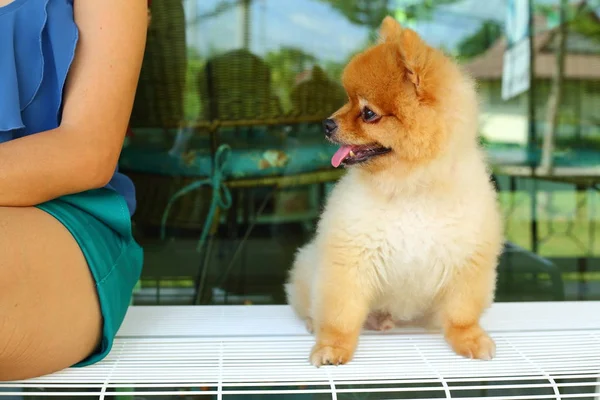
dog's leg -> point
(468, 295)
(297, 287)
(342, 298)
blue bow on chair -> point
(221, 196)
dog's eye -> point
(368, 115)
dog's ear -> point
(414, 55)
(412, 50)
(390, 30)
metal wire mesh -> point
(545, 350)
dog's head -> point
(398, 103)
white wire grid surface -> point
(544, 351)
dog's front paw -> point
(329, 355)
(472, 342)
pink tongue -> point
(339, 155)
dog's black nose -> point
(329, 126)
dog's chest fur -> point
(421, 243)
(410, 245)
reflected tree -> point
(286, 64)
(363, 12)
(480, 41)
(554, 99)
(581, 18)
(371, 12)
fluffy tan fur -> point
(412, 236)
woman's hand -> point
(82, 153)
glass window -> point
(232, 168)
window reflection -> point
(231, 167)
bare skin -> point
(49, 312)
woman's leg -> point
(50, 316)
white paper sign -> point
(515, 70)
(517, 21)
(516, 63)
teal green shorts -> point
(99, 220)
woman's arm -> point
(83, 152)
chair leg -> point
(239, 251)
(201, 282)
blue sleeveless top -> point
(37, 44)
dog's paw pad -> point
(329, 355)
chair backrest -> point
(160, 93)
(236, 86)
(317, 96)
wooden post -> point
(532, 130)
(245, 23)
(554, 100)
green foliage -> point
(192, 105)
(407, 12)
(286, 63)
(581, 17)
(370, 13)
(480, 41)
(363, 12)
(586, 24)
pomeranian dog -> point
(412, 232)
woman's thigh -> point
(50, 316)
